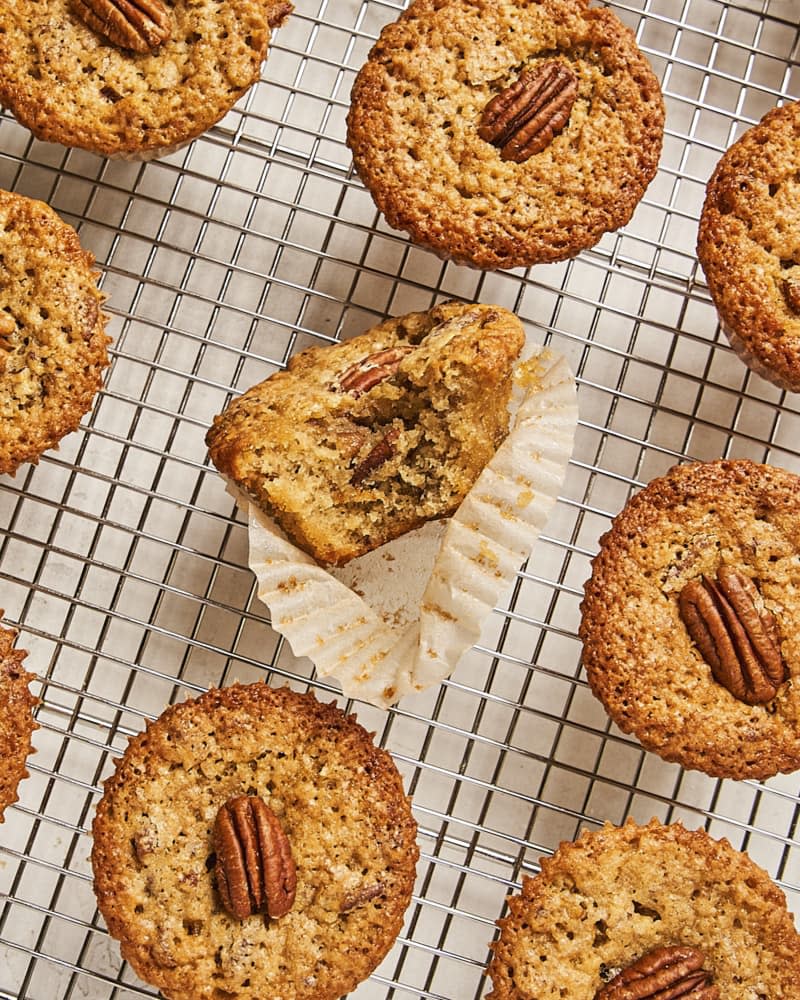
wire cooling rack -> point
(124, 563)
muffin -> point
(360, 442)
(398, 619)
(130, 79)
(509, 133)
(749, 246)
(255, 843)
(52, 330)
(691, 618)
(625, 911)
(16, 718)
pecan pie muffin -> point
(509, 133)
(749, 246)
(691, 618)
(638, 912)
(52, 330)
(358, 443)
(254, 843)
(16, 717)
(130, 77)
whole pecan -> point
(791, 292)
(255, 869)
(369, 371)
(140, 25)
(524, 118)
(738, 640)
(667, 973)
(381, 453)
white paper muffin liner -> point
(398, 619)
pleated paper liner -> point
(398, 619)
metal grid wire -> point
(124, 563)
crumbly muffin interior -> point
(343, 470)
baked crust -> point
(415, 110)
(16, 717)
(749, 244)
(68, 84)
(614, 894)
(295, 443)
(53, 347)
(637, 652)
(341, 803)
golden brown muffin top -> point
(749, 244)
(638, 653)
(615, 894)
(52, 330)
(341, 803)
(16, 717)
(417, 105)
(69, 84)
